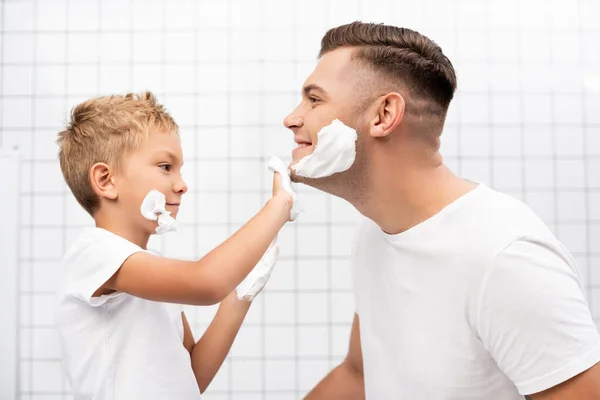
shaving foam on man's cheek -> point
(335, 152)
(153, 208)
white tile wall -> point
(525, 121)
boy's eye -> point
(166, 167)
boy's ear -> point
(102, 180)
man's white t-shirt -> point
(117, 346)
(480, 301)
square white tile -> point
(280, 375)
(180, 78)
(313, 274)
(116, 78)
(18, 16)
(51, 16)
(280, 308)
(16, 112)
(314, 240)
(313, 341)
(83, 47)
(280, 341)
(313, 308)
(214, 14)
(17, 80)
(248, 342)
(247, 375)
(83, 80)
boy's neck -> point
(120, 227)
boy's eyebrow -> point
(170, 155)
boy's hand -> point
(282, 186)
(279, 191)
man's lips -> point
(302, 150)
(301, 141)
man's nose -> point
(293, 121)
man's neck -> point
(403, 197)
(119, 225)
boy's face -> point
(156, 164)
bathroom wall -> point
(525, 121)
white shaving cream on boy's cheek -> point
(153, 208)
(334, 152)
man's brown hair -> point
(400, 55)
(104, 129)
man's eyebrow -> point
(313, 88)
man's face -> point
(156, 164)
(327, 94)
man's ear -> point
(388, 114)
(102, 180)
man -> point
(461, 292)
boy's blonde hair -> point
(103, 130)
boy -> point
(122, 335)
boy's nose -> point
(181, 187)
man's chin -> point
(313, 182)
(293, 176)
(297, 178)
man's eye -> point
(166, 167)
(313, 99)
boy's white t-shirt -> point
(117, 346)
(480, 301)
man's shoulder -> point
(499, 215)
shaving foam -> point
(153, 208)
(259, 276)
(334, 152)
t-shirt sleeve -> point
(533, 317)
(95, 263)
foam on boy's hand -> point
(258, 277)
(153, 208)
(277, 165)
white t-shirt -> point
(117, 346)
(480, 301)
